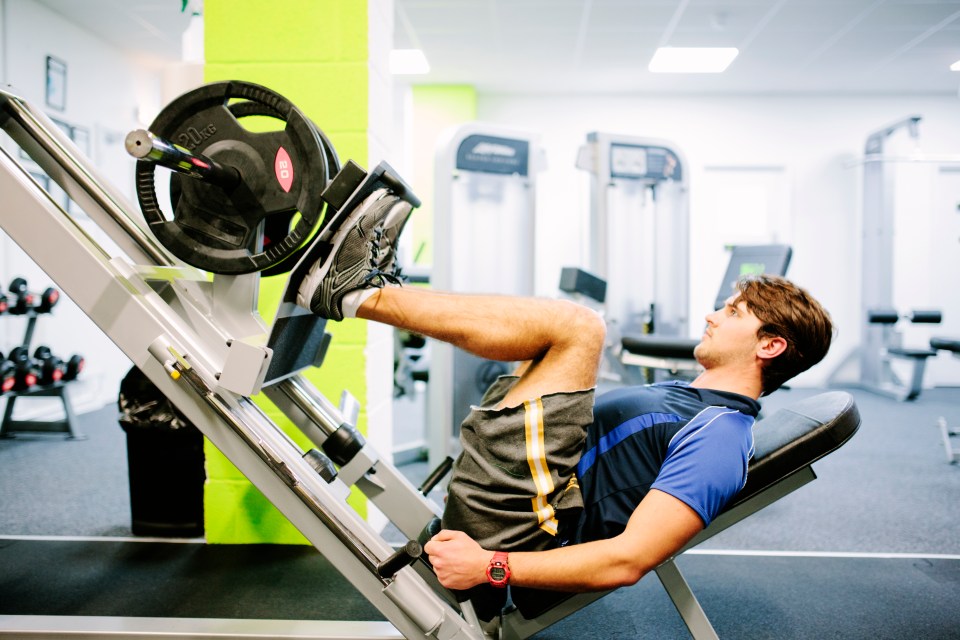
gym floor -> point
(869, 550)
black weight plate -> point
(276, 226)
(213, 229)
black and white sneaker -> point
(393, 226)
(353, 262)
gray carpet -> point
(890, 489)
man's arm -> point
(657, 529)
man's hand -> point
(460, 563)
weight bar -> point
(916, 316)
(143, 145)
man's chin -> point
(700, 354)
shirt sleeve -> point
(706, 461)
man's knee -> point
(585, 327)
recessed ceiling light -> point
(955, 66)
(692, 59)
(408, 62)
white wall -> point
(802, 152)
(104, 92)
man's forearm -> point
(593, 566)
(659, 528)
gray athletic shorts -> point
(514, 483)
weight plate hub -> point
(282, 173)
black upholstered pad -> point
(946, 344)
(798, 435)
(660, 346)
(911, 353)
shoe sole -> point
(393, 226)
(321, 269)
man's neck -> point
(746, 383)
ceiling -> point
(149, 29)
(603, 46)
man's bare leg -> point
(560, 341)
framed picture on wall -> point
(56, 83)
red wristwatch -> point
(498, 571)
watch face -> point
(497, 573)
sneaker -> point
(393, 226)
(353, 262)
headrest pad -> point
(797, 436)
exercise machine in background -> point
(484, 241)
(655, 354)
(881, 346)
(639, 233)
(672, 356)
(947, 433)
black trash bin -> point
(165, 460)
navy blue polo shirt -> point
(694, 444)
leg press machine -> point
(208, 351)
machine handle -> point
(402, 557)
(436, 476)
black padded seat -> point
(911, 353)
(945, 344)
(660, 346)
(797, 436)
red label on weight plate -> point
(283, 168)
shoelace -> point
(382, 278)
(376, 274)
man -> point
(655, 464)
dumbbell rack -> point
(67, 425)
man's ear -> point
(769, 348)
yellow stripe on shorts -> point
(537, 459)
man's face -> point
(730, 336)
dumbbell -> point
(26, 300)
(73, 367)
(23, 299)
(7, 374)
(48, 299)
(51, 367)
(26, 371)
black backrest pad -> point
(797, 436)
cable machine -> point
(639, 235)
(484, 242)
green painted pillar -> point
(330, 58)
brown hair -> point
(789, 312)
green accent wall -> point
(436, 108)
(315, 53)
